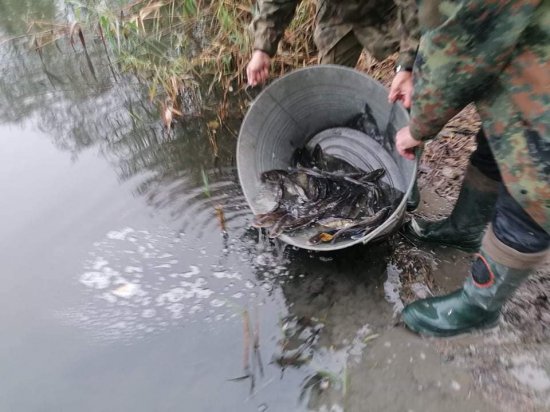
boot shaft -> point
(497, 272)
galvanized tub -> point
(310, 106)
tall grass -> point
(176, 45)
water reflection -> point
(16, 14)
(54, 88)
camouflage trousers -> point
(344, 53)
(511, 223)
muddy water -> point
(121, 291)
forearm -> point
(459, 60)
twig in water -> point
(246, 353)
(221, 217)
(206, 186)
(257, 342)
(102, 37)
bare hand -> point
(405, 143)
(401, 88)
(257, 70)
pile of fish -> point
(323, 192)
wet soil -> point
(510, 363)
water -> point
(120, 290)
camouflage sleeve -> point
(460, 59)
(409, 31)
(270, 23)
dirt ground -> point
(511, 363)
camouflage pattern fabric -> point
(381, 27)
(495, 53)
(345, 53)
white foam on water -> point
(138, 284)
(217, 303)
(99, 263)
(97, 280)
(358, 343)
(174, 295)
(148, 313)
(119, 235)
(194, 270)
(226, 275)
(108, 297)
(128, 290)
(176, 309)
(195, 309)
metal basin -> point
(310, 106)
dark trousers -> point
(511, 224)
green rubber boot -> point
(414, 198)
(464, 228)
(495, 275)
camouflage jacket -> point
(495, 53)
(382, 27)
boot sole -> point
(413, 238)
(415, 325)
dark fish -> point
(318, 156)
(349, 233)
(373, 176)
(361, 226)
(293, 190)
(336, 165)
(268, 219)
(302, 157)
(299, 178)
(342, 200)
(273, 176)
(366, 123)
(278, 227)
(298, 223)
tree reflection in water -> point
(55, 90)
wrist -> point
(403, 69)
(405, 62)
(265, 47)
(261, 52)
(415, 131)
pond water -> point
(121, 291)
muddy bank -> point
(509, 364)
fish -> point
(329, 197)
(302, 157)
(364, 226)
(373, 176)
(278, 227)
(273, 176)
(336, 222)
(366, 123)
(268, 219)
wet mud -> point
(509, 363)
